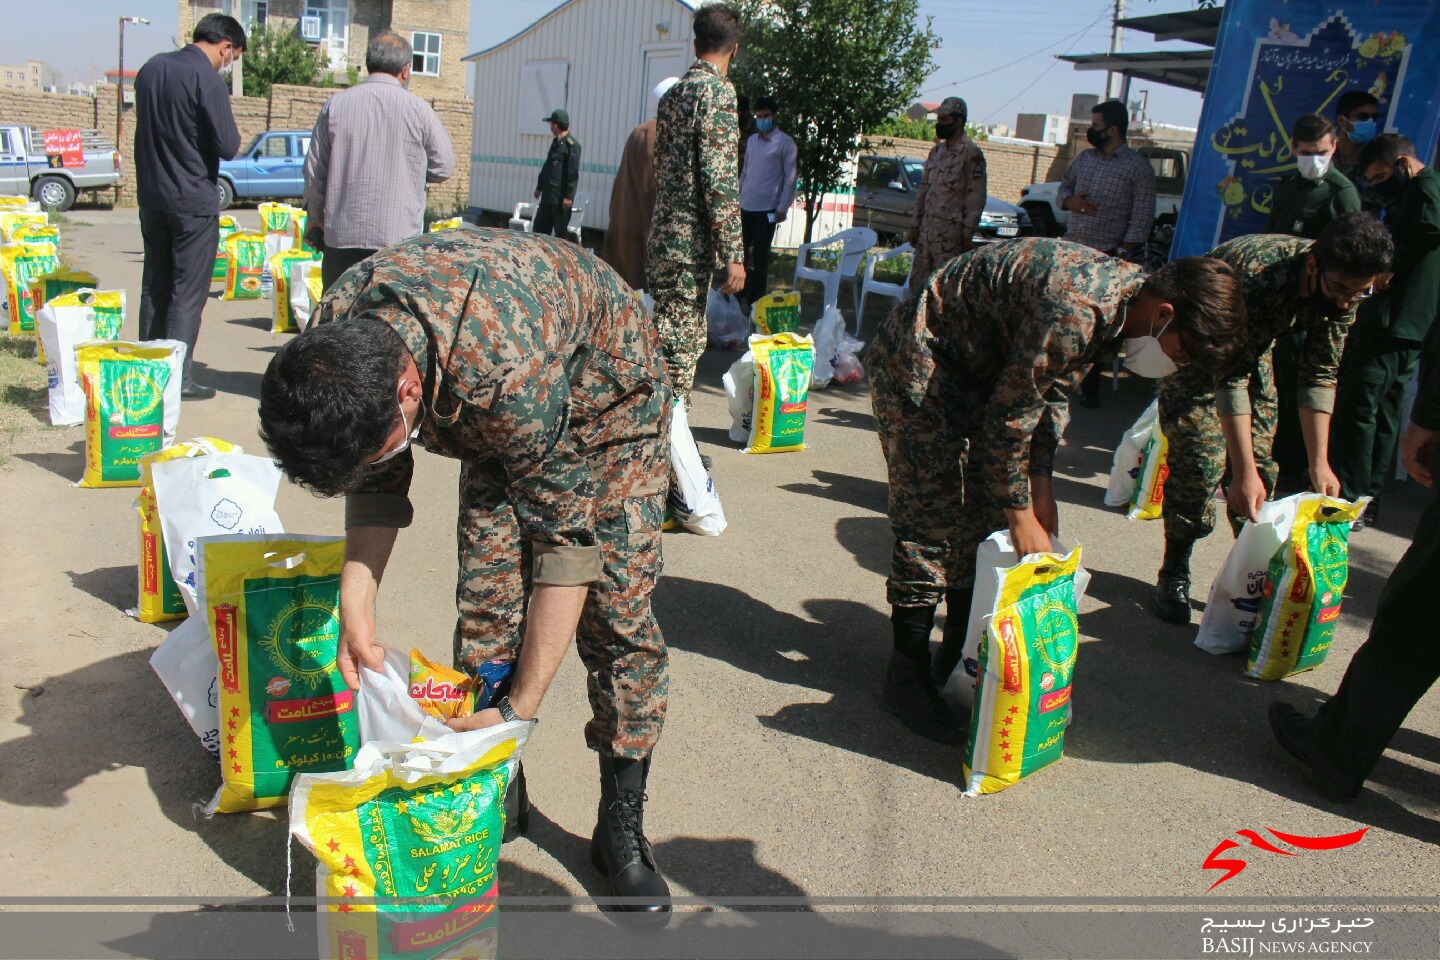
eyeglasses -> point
(1336, 291)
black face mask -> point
(1322, 304)
(946, 130)
(1391, 189)
(1097, 138)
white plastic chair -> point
(577, 215)
(524, 217)
(854, 243)
(881, 288)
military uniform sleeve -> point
(1320, 359)
(719, 132)
(383, 498)
(1142, 204)
(1415, 240)
(572, 172)
(975, 183)
(1346, 200)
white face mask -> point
(1313, 168)
(404, 444)
(1145, 357)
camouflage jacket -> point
(697, 199)
(1269, 267)
(1003, 333)
(535, 356)
(952, 191)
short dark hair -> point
(1386, 149)
(328, 400)
(1115, 114)
(717, 28)
(764, 103)
(217, 28)
(389, 53)
(1310, 128)
(1209, 308)
(1354, 245)
(1352, 100)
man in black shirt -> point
(183, 129)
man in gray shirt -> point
(767, 187)
(373, 149)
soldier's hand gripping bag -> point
(1233, 607)
(132, 406)
(1304, 586)
(227, 227)
(272, 606)
(390, 709)
(776, 313)
(783, 365)
(408, 844)
(1027, 663)
(994, 560)
(244, 266)
(1126, 468)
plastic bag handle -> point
(288, 563)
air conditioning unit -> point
(310, 29)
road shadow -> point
(840, 417)
(861, 492)
(69, 465)
(115, 586)
(255, 323)
(241, 383)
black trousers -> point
(336, 260)
(1397, 665)
(757, 233)
(552, 219)
(175, 283)
(1288, 449)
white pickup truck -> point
(27, 170)
(1171, 164)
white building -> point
(1044, 127)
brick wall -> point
(1009, 166)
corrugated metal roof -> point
(1186, 69)
(689, 5)
(1195, 26)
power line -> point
(1038, 78)
(1074, 36)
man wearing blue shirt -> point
(767, 187)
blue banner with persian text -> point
(1276, 60)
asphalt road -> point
(778, 773)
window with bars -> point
(427, 54)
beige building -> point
(35, 75)
(437, 29)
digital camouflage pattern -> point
(949, 204)
(1269, 268)
(969, 378)
(695, 229)
(549, 388)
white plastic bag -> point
(829, 331)
(648, 302)
(693, 501)
(215, 495)
(302, 304)
(739, 383)
(60, 330)
(1233, 608)
(386, 710)
(848, 368)
(186, 663)
(992, 557)
(1129, 456)
(725, 321)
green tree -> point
(902, 127)
(280, 56)
(837, 68)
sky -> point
(997, 54)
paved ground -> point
(778, 773)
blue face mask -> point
(1362, 132)
(764, 124)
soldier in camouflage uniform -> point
(532, 363)
(952, 193)
(1289, 283)
(696, 226)
(969, 378)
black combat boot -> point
(1172, 589)
(952, 642)
(517, 807)
(619, 849)
(910, 692)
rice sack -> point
(450, 224)
(439, 690)
(1147, 501)
(227, 227)
(20, 264)
(416, 830)
(1304, 586)
(1027, 662)
(277, 223)
(12, 220)
(132, 406)
(61, 325)
(305, 287)
(783, 365)
(56, 283)
(299, 221)
(777, 313)
(282, 320)
(272, 605)
(244, 266)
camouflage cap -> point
(953, 106)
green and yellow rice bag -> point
(244, 266)
(1148, 501)
(1027, 663)
(449, 224)
(277, 223)
(35, 233)
(132, 406)
(1304, 586)
(272, 605)
(299, 220)
(58, 282)
(20, 264)
(783, 365)
(227, 227)
(777, 313)
(9, 203)
(12, 220)
(283, 320)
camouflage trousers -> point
(937, 518)
(1196, 459)
(680, 291)
(938, 244)
(617, 637)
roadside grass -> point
(23, 393)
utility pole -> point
(1111, 91)
(120, 97)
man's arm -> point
(921, 195)
(1422, 435)
(975, 184)
(719, 130)
(317, 173)
(789, 155)
(1067, 184)
(218, 131)
(1142, 206)
(1415, 239)
(1316, 380)
(572, 172)
(1247, 490)
(439, 153)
